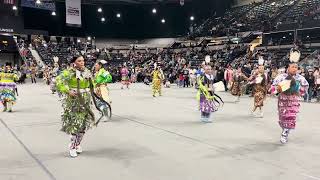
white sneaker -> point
(73, 153)
(79, 149)
(283, 139)
(284, 136)
(259, 115)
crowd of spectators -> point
(265, 16)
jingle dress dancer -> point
(206, 95)
(125, 77)
(260, 91)
(53, 75)
(101, 79)
(290, 86)
(157, 78)
(237, 84)
(77, 117)
(8, 87)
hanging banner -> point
(46, 5)
(73, 13)
(181, 2)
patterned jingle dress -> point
(206, 95)
(77, 115)
(8, 87)
(156, 82)
(125, 76)
(260, 90)
(237, 85)
(288, 101)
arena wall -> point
(245, 2)
(157, 42)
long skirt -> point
(156, 86)
(236, 89)
(125, 80)
(207, 106)
(288, 108)
(103, 92)
(53, 84)
(7, 92)
(77, 116)
(259, 96)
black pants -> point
(186, 82)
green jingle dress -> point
(77, 116)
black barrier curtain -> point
(46, 38)
(58, 39)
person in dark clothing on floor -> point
(185, 77)
(310, 78)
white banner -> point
(73, 12)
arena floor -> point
(157, 139)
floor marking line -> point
(172, 132)
(309, 176)
(43, 167)
(218, 148)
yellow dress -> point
(157, 78)
(7, 89)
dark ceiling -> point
(137, 20)
(132, 1)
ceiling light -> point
(118, 15)
(154, 10)
(103, 19)
(99, 10)
(163, 21)
(14, 8)
(192, 18)
(53, 13)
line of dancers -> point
(288, 86)
(80, 87)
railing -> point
(311, 60)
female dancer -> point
(260, 90)
(290, 86)
(101, 78)
(77, 117)
(157, 78)
(206, 95)
(125, 80)
(8, 87)
(237, 84)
